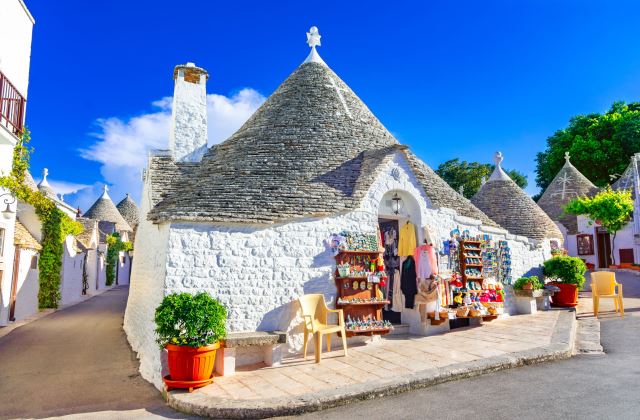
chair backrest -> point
(604, 282)
(313, 306)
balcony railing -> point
(12, 106)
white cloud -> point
(65, 187)
(122, 145)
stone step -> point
(588, 337)
(400, 329)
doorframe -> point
(14, 285)
(607, 244)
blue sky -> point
(450, 79)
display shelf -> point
(360, 310)
(381, 303)
(473, 278)
(368, 331)
(473, 265)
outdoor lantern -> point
(7, 213)
(397, 203)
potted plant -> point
(190, 328)
(568, 273)
(528, 283)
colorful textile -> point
(407, 240)
(426, 261)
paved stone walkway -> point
(74, 361)
(392, 365)
(389, 357)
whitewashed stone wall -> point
(123, 267)
(146, 290)
(72, 263)
(258, 272)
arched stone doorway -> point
(391, 219)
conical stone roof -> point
(45, 188)
(129, 211)
(104, 210)
(568, 184)
(312, 149)
(505, 202)
(629, 177)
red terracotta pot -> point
(190, 363)
(566, 297)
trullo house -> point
(250, 220)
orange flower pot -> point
(191, 363)
(566, 297)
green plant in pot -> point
(528, 283)
(190, 328)
(568, 276)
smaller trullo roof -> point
(44, 186)
(568, 184)
(129, 210)
(629, 177)
(504, 201)
(104, 210)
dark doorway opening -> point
(603, 241)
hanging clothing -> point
(426, 261)
(397, 302)
(407, 240)
(408, 282)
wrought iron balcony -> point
(12, 106)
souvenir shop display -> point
(504, 265)
(474, 293)
(360, 274)
(389, 233)
(354, 241)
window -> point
(1, 241)
(585, 244)
(34, 262)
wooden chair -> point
(315, 314)
(603, 285)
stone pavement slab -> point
(392, 365)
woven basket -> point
(462, 311)
(474, 313)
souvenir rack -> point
(368, 305)
(471, 262)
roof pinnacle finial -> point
(105, 192)
(566, 156)
(498, 173)
(497, 158)
(313, 39)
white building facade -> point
(250, 220)
(16, 26)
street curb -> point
(561, 347)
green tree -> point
(469, 175)
(612, 209)
(600, 145)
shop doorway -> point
(603, 242)
(389, 231)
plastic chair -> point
(315, 314)
(603, 285)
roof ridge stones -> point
(506, 203)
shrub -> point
(537, 284)
(190, 320)
(569, 270)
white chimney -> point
(188, 132)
